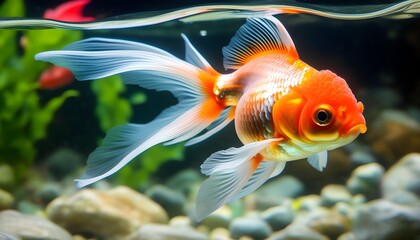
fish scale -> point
(260, 91)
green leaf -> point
(111, 109)
(43, 117)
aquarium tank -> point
(286, 119)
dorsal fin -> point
(257, 36)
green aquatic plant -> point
(111, 108)
(23, 118)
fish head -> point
(322, 109)
(332, 113)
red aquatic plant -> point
(71, 11)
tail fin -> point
(191, 82)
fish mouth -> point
(357, 129)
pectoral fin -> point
(319, 160)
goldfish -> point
(283, 109)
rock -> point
(28, 207)
(172, 201)
(297, 232)
(324, 221)
(332, 194)
(249, 226)
(272, 194)
(382, 219)
(401, 183)
(30, 227)
(48, 192)
(347, 236)
(359, 158)
(366, 180)
(221, 218)
(309, 202)
(6, 200)
(180, 221)
(393, 135)
(7, 177)
(278, 217)
(186, 182)
(220, 234)
(164, 232)
(114, 213)
(63, 162)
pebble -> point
(366, 180)
(221, 218)
(180, 221)
(186, 182)
(382, 219)
(359, 158)
(308, 202)
(274, 192)
(393, 135)
(324, 221)
(298, 232)
(63, 162)
(252, 227)
(347, 236)
(278, 217)
(48, 192)
(164, 232)
(220, 234)
(26, 226)
(114, 213)
(401, 183)
(333, 193)
(172, 201)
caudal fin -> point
(191, 82)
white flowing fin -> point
(264, 171)
(257, 36)
(279, 168)
(229, 172)
(319, 160)
(194, 57)
(219, 124)
(110, 44)
(151, 68)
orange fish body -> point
(283, 108)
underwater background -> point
(50, 123)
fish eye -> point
(322, 115)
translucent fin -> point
(151, 68)
(110, 44)
(257, 36)
(279, 168)
(319, 160)
(220, 123)
(194, 57)
(227, 160)
(230, 170)
(264, 171)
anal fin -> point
(229, 170)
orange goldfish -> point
(283, 108)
